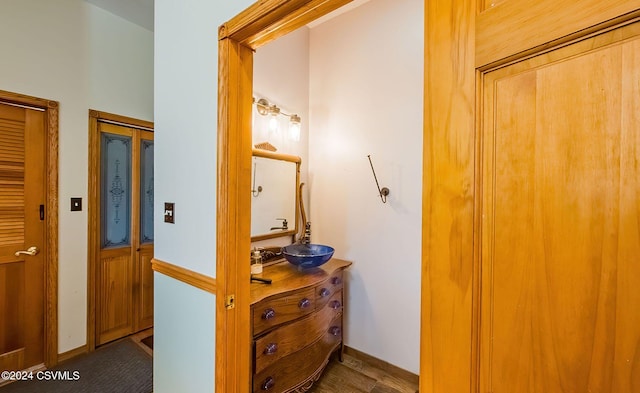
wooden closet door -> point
(124, 278)
(560, 246)
(116, 271)
(22, 196)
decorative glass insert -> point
(115, 190)
(146, 191)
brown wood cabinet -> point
(296, 325)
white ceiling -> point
(341, 10)
(139, 12)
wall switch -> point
(168, 212)
(76, 204)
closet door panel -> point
(561, 206)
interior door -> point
(124, 279)
(560, 262)
(22, 158)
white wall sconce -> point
(265, 108)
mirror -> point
(274, 184)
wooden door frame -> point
(93, 208)
(51, 219)
(464, 39)
(257, 25)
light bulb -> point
(294, 128)
(273, 124)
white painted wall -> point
(120, 65)
(51, 50)
(366, 98)
(186, 89)
(281, 75)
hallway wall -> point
(68, 51)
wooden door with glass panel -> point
(22, 193)
(124, 279)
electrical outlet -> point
(168, 212)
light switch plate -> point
(168, 212)
(76, 204)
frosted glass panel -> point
(115, 173)
(146, 191)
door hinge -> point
(230, 302)
(41, 212)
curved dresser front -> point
(296, 325)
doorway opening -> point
(259, 24)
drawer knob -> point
(335, 304)
(336, 280)
(269, 313)
(335, 330)
(270, 349)
(268, 383)
(324, 292)
(304, 303)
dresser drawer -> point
(325, 290)
(300, 368)
(296, 335)
(283, 308)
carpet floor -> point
(115, 368)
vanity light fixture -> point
(265, 108)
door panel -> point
(115, 319)
(124, 283)
(144, 294)
(560, 262)
(145, 302)
(21, 277)
(114, 311)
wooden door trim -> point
(542, 25)
(93, 207)
(448, 197)
(460, 44)
(259, 24)
(187, 276)
(233, 223)
(51, 219)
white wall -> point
(281, 75)
(366, 98)
(186, 89)
(49, 51)
(120, 65)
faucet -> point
(284, 226)
(306, 238)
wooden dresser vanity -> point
(296, 324)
